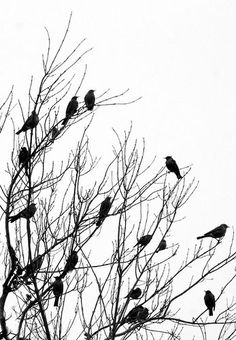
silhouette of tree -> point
(92, 269)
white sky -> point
(180, 56)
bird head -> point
(168, 157)
(74, 98)
(207, 291)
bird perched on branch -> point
(33, 267)
(138, 313)
(162, 245)
(217, 232)
(89, 100)
(57, 289)
(172, 166)
(70, 263)
(71, 109)
(104, 210)
(210, 302)
(134, 293)
(144, 240)
(25, 213)
(24, 156)
(30, 123)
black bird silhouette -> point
(104, 210)
(217, 232)
(33, 267)
(24, 156)
(30, 123)
(144, 240)
(57, 289)
(172, 166)
(25, 213)
(71, 109)
(162, 245)
(89, 100)
(134, 293)
(210, 301)
(138, 313)
(70, 263)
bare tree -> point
(74, 263)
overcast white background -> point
(180, 56)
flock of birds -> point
(33, 120)
(139, 312)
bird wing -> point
(104, 209)
(71, 107)
(175, 166)
(215, 230)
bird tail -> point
(211, 311)
(56, 301)
(18, 132)
(179, 176)
(66, 271)
(203, 236)
(26, 169)
(13, 218)
(65, 121)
